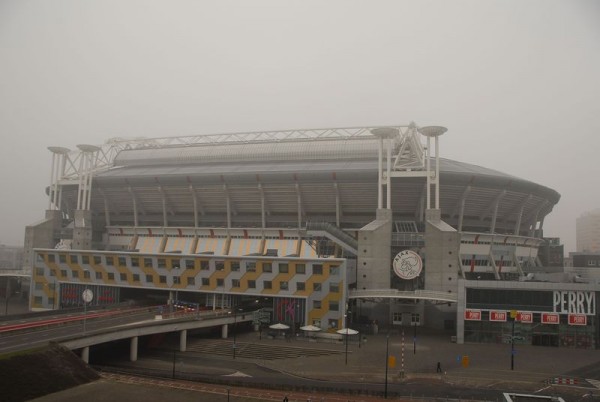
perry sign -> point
(407, 264)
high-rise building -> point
(588, 232)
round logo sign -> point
(87, 295)
(408, 264)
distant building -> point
(585, 260)
(551, 253)
(11, 258)
(588, 232)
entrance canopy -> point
(430, 295)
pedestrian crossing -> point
(595, 383)
(255, 350)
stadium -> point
(347, 227)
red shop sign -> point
(526, 317)
(497, 315)
(550, 318)
(473, 315)
(577, 319)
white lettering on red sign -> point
(497, 315)
(525, 317)
(577, 319)
(473, 315)
(550, 318)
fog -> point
(515, 82)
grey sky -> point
(517, 83)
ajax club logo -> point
(408, 264)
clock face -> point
(87, 295)
(408, 264)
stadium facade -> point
(361, 227)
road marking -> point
(595, 383)
(237, 374)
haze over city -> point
(515, 82)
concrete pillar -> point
(183, 340)
(85, 354)
(224, 331)
(133, 349)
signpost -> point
(87, 295)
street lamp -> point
(512, 345)
(235, 311)
(346, 317)
(387, 351)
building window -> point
(123, 277)
(316, 287)
(397, 318)
(111, 276)
(86, 274)
(221, 282)
(162, 279)
(52, 272)
(85, 259)
(591, 263)
(334, 306)
(176, 280)
(334, 270)
(99, 275)
(235, 283)
(73, 259)
(251, 284)
(316, 304)
(39, 271)
(110, 261)
(135, 262)
(63, 273)
(149, 278)
(300, 269)
(189, 264)
(75, 274)
(204, 265)
(191, 281)
(283, 285)
(415, 319)
(235, 266)
(205, 281)
(123, 261)
(97, 260)
(147, 262)
(251, 266)
(300, 286)
(62, 258)
(284, 268)
(161, 263)
(317, 269)
(37, 300)
(267, 267)
(267, 285)
(136, 277)
(334, 287)
(219, 265)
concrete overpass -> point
(101, 333)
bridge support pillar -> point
(85, 354)
(224, 331)
(183, 340)
(133, 349)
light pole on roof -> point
(435, 132)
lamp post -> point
(512, 346)
(415, 338)
(347, 333)
(6, 295)
(387, 351)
